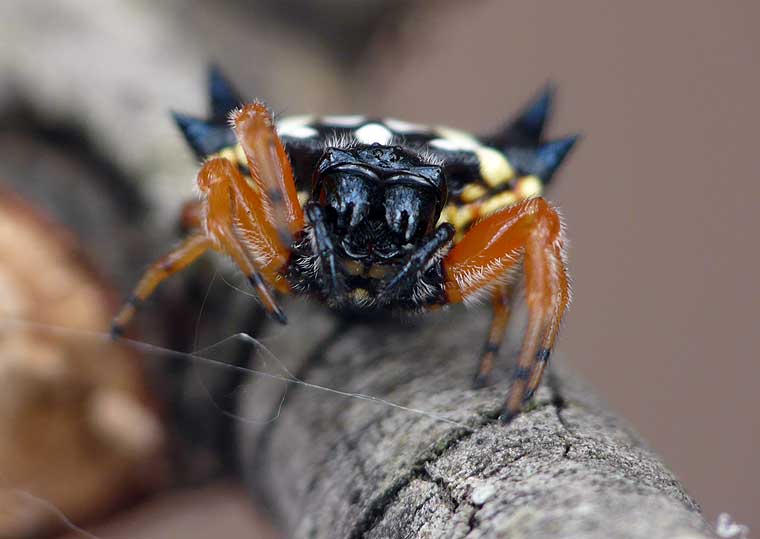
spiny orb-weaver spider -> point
(380, 214)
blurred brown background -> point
(661, 196)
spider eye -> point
(349, 193)
(409, 211)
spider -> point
(363, 213)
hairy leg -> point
(529, 232)
(234, 222)
(251, 221)
(502, 309)
(186, 253)
(270, 168)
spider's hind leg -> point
(501, 300)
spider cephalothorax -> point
(382, 214)
(372, 208)
(406, 192)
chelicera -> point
(363, 213)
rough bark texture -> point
(335, 466)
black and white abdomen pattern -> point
(356, 128)
(483, 174)
(465, 158)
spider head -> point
(381, 201)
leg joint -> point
(543, 355)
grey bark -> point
(343, 467)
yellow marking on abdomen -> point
(447, 214)
(461, 139)
(233, 154)
(494, 167)
(229, 154)
(472, 192)
(463, 216)
(529, 187)
(240, 154)
(497, 202)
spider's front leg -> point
(528, 233)
(254, 222)
(251, 221)
(237, 224)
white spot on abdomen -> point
(343, 121)
(296, 126)
(445, 144)
(400, 126)
(373, 134)
(300, 132)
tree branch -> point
(335, 466)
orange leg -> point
(546, 347)
(237, 223)
(270, 168)
(529, 232)
(251, 221)
(255, 222)
(501, 301)
(191, 216)
(181, 257)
